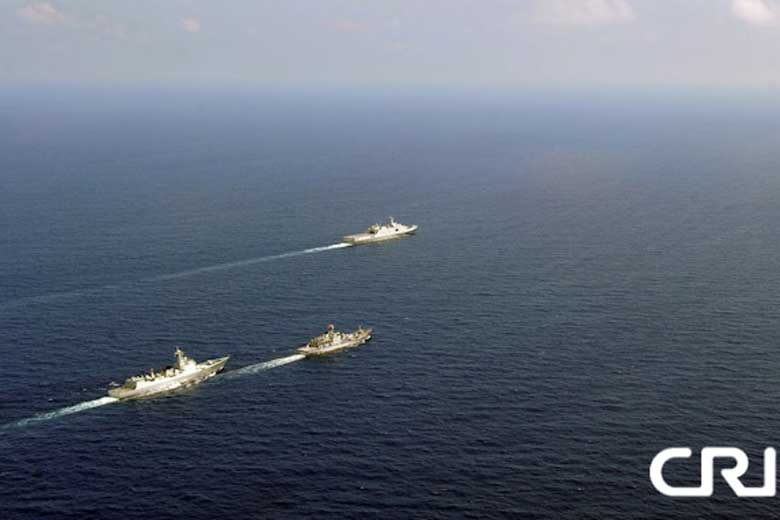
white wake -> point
(251, 261)
(86, 405)
(259, 367)
(47, 298)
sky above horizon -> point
(392, 42)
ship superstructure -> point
(185, 372)
(333, 341)
(380, 232)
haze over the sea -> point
(504, 43)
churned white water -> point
(250, 261)
(86, 405)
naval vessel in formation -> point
(185, 372)
(380, 232)
(332, 341)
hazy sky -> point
(391, 42)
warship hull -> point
(354, 341)
(198, 374)
(369, 238)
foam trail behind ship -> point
(259, 367)
(76, 408)
(251, 261)
(52, 297)
(88, 405)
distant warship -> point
(377, 233)
(331, 341)
(185, 372)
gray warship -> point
(185, 372)
(332, 341)
(380, 232)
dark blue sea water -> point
(595, 279)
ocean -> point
(594, 280)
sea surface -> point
(595, 279)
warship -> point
(185, 372)
(380, 232)
(332, 341)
